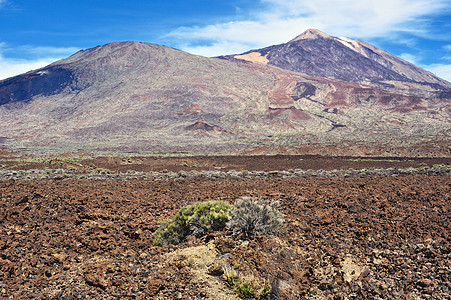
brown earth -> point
(84, 162)
(345, 238)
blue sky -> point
(37, 32)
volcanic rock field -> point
(354, 228)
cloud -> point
(47, 51)
(410, 58)
(13, 67)
(278, 21)
(38, 57)
(216, 48)
(441, 70)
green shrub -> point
(250, 217)
(195, 219)
(246, 286)
(57, 163)
(244, 290)
(102, 171)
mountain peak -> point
(311, 34)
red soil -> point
(89, 239)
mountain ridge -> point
(313, 53)
(135, 97)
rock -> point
(96, 280)
(424, 282)
(61, 257)
(350, 270)
(326, 221)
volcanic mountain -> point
(317, 54)
(354, 99)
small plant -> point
(245, 286)
(230, 275)
(250, 217)
(244, 290)
(102, 171)
(195, 219)
(57, 163)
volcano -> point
(316, 94)
(317, 54)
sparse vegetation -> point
(245, 286)
(250, 217)
(113, 218)
(195, 219)
(57, 163)
(373, 160)
(102, 171)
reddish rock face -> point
(291, 113)
(204, 126)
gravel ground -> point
(384, 237)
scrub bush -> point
(195, 219)
(252, 217)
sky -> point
(34, 33)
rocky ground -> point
(361, 237)
(86, 166)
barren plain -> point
(355, 228)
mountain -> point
(140, 97)
(125, 94)
(317, 54)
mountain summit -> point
(318, 54)
(311, 34)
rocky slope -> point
(135, 97)
(317, 54)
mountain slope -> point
(317, 54)
(135, 97)
(122, 92)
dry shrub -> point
(251, 217)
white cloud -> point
(47, 51)
(13, 67)
(441, 70)
(281, 20)
(217, 48)
(41, 57)
(410, 58)
(235, 37)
